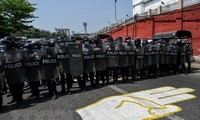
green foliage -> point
(36, 33)
(15, 15)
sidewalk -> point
(197, 59)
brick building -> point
(145, 25)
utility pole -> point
(115, 10)
(85, 27)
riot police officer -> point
(189, 54)
(139, 57)
(173, 57)
(1, 85)
(49, 67)
(63, 62)
(112, 60)
(129, 46)
(76, 61)
(166, 65)
(88, 61)
(147, 56)
(161, 44)
(13, 68)
(32, 65)
(123, 57)
(154, 58)
(181, 59)
(100, 60)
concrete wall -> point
(182, 19)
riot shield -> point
(88, 58)
(32, 64)
(189, 54)
(100, 58)
(155, 54)
(63, 57)
(1, 73)
(123, 55)
(139, 57)
(131, 53)
(147, 55)
(13, 66)
(75, 59)
(166, 54)
(173, 55)
(48, 63)
(112, 55)
(182, 55)
(161, 55)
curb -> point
(197, 59)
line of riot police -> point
(91, 59)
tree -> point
(15, 15)
(36, 33)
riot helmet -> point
(91, 41)
(96, 40)
(28, 46)
(128, 39)
(109, 40)
(85, 40)
(164, 43)
(119, 39)
(159, 41)
(46, 44)
(72, 39)
(144, 42)
(137, 41)
(61, 41)
(8, 41)
(35, 45)
(61, 38)
(178, 42)
(187, 43)
(52, 43)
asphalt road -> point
(66, 106)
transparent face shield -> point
(45, 46)
(61, 43)
(128, 40)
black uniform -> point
(139, 57)
(166, 58)
(181, 59)
(161, 61)
(189, 54)
(155, 58)
(88, 61)
(100, 61)
(1, 85)
(131, 57)
(32, 65)
(14, 70)
(76, 61)
(147, 57)
(173, 54)
(63, 64)
(49, 67)
(123, 58)
(112, 57)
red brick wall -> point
(185, 19)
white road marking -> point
(171, 117)
(142, 105)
